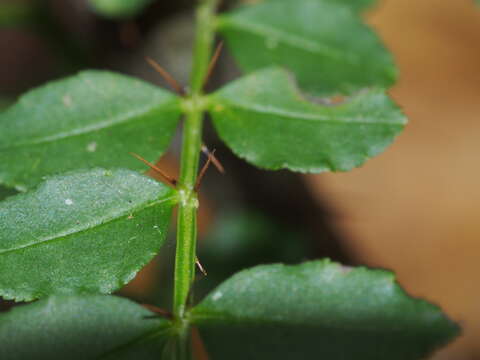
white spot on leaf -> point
(92, 147)
(217, 296)
(69, 201)
(67, 100)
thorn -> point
(155, 309)
(200, 267)
(166, 76)
(215, 161)
(198, 347)
(213, 62)
(171, 181)
(203, 171)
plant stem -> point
(192, 134)
(204, 37)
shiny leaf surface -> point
(323, 42)
(92, 119)
(264, 119)
(87, 231)
(318, 310)
(79, 328)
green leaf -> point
(92, 119)
(118, 8)
(6, 192)
(244, 238)
(16, 13)
(318, 310)
(355, 5)
(323, 42)
(87, 231)
(265, 120)
(79, 328)
(4, 102)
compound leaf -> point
(92, 119)
(323, 42)
(79, 328)
(264, 119)
(87, 231)
(118, 8)
(318, 310)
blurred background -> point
(413, 209)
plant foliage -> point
(118, 9)
(87, 231)
(278, 312)
(265, 120)
(323, 42)
(82, 327)
(88, 222)
(91, 119)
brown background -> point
(415, 209)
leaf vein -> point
(307, 117)
(269, 32)
(67, 233)
(111, 122)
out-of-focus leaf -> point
(264, 119)
(14, 13)
(242, 239)
(118, 8)
(318, 310)
(4, 102)
(323, 42)
(88, 231)
(6, 192)
(79, 328)
(92, 119)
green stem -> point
(192, 135)
(204, 36)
